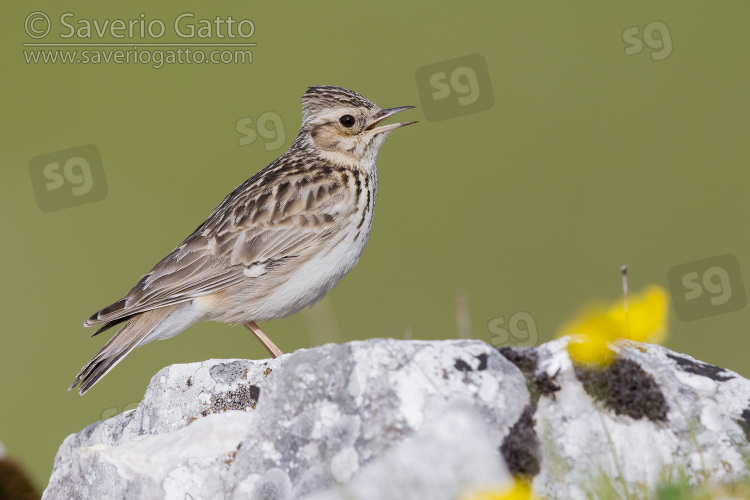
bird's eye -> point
(347, 121)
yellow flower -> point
(517, 491)
(644, 320)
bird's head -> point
(342, 125)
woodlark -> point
(277, 243)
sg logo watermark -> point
(68, 178)
(656, 37)
(455, 87)
(269, 126)
(520, 330)
(116, 410)
(707, 287)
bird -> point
(277, 243)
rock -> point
(649, 415)
(299, 424)
(446, 456)
(413, 419)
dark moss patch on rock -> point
(520, 447)
(547, 385)
(482, 361)
(527, 360)
(703, 369)
(625, 388)
(242, 398)
(744, 422)
(462, 366)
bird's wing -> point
(265, 222)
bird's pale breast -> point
(283, 290)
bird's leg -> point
(267, 343)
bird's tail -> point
(133, 333)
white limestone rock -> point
(448, 456)
(319, 417)
(663, 412)
(413, 419)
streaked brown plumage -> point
(277, 243)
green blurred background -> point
(587, 159)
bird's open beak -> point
(385, 113)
